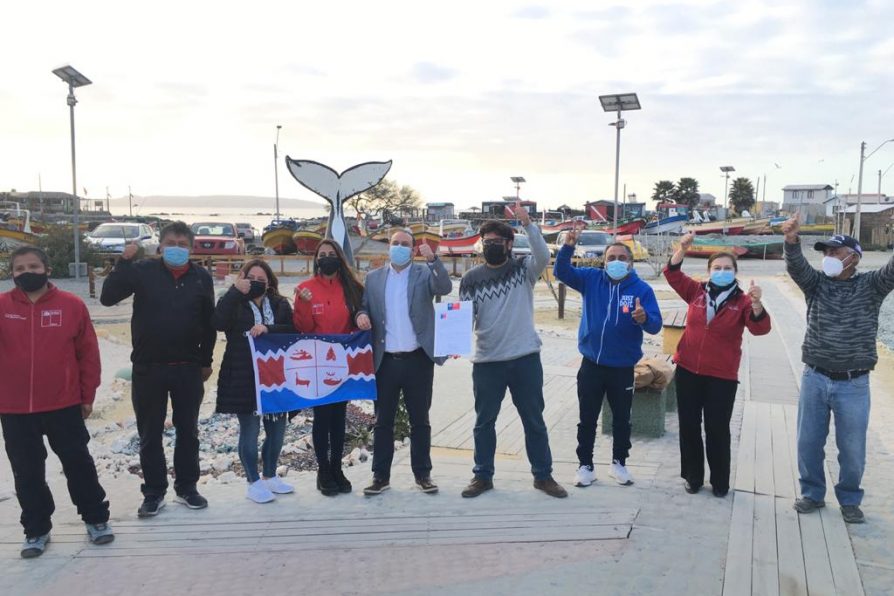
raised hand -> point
(522, 215)
(304, 294)
(791, 227)
(571, 237)
(426, 252)
(243, 285)
(755, 293)
(686, 241)
(639, 313)
(130, 251)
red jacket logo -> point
(51, 318)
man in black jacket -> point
(173, 344)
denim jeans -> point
(249, 430)
(848, 402)
(524, 379)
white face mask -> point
(833, 267)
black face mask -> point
(258, 288)
(494, 254)
(30, 282)
(329, 265)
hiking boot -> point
(551, 487)
(34, 546)
(279, 486)
(151, 506)
(620, 474)
(259, 492)
(477, 486)
(100, 533)
(807, 505)
(378, 486)
(852, 514)
(193, 500)
(341, 481)
(426, 485)
(691, 488)
(326, 482)
(585, 476)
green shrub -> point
(59, 244)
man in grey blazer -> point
(397, 304)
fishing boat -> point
(758, 227)
(725, 228)
(744, 247)
(277, 236)
(627, 226)
(426, 237)
(459, 246)
(15, 228)
(669, 219)
(307, 241)
(816, 228)
(451, 228)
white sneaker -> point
(278, 486)
(259, 493)
(585, 476)
(620, 473)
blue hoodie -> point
(608, 335)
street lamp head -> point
(517, 179)
(727, 169)
(619, 102)
(70, 75)
(278, 126)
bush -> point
(59, 244)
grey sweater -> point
(842, 315)
(504, 303)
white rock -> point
(398, 444)
(204, 466)
(227, 477)
(355, 453)
(221, 463)
(406, 440)
(364, 454)
(282, 471)
(120, 445)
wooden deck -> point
(772, 549)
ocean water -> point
(193, 215)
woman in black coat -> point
(253, 304)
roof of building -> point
(807, 187)
(427, 205)
(869, 208)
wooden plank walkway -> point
(772, 549)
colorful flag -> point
(295, 371)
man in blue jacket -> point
(617, 307)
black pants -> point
(151, 386)
(413, 374)
(697, 394)
(68, 437)
(594, 383)
(329, 434)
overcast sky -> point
(461, 95)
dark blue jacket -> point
(608, 335)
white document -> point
(453, 328)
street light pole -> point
(618, 103)
(619, 124)
(73, 78)
(276, 167)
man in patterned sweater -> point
(839, 350)
(507, 350)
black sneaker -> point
(852, 514)
(326, 482)
(151, 506)
(719, 492)
(378, 486)
(426, 485)
(477, 486)
(192, 500)
(341, 481)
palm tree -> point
(741, 195)
(686, 192)
(663, 191)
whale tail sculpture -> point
(337, 188)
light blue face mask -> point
(722, 278)
(617, 269)
(175, 256)
(400, 255)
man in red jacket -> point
(50, 370)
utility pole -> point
(129, 201)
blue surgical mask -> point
(175, 256)
(400, 255)
(722, 278)
(617, 269)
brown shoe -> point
(377, 487)
(426, 485)
(477, 486)
(551, 487)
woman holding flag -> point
(708, 362)
(252, 305)
(327, 304)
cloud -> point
(428, 72)
(532, 12)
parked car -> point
(216, 238)
(591, 244)
(521, 247)
(113, 237)
(246, 232)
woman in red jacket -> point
(327, 303)
(708, 362)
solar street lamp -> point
(618, 103)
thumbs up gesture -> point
(639, 313)
(755, 293)
(791, 227)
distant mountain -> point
(220, 201)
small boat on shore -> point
(459, 246)
(277, 236)
(627, 226)
(429, 238)
(670, 219)
(744, 247)
(307, 241)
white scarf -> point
(715, 304)
(267, 318)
